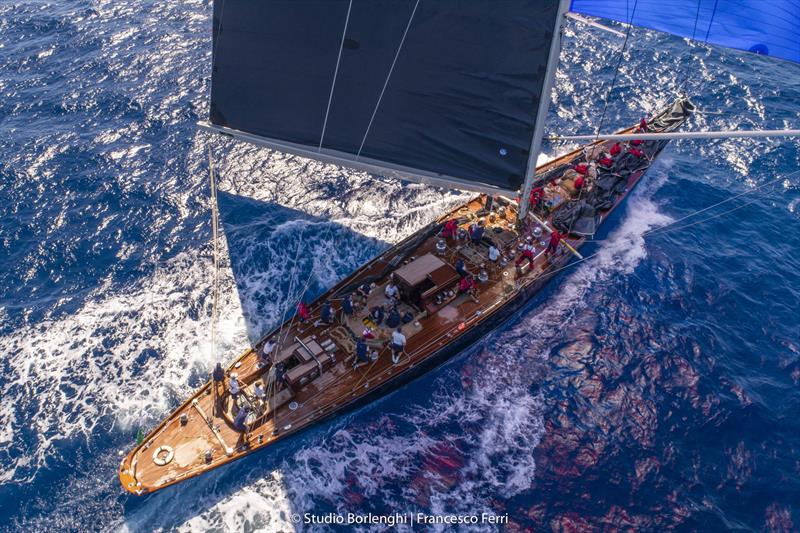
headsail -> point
(767, 27)
(444, 91)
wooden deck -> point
(323, 379)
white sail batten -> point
(676, 135)
(363, 164)
(544, 106)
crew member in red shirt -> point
(616, 149)
(605, 162)
(450, 228)
(303, 312)
(537, 195)
(578, 184)
(636, 152)
(581, 168)
(466, 284)
(555, 239)
(527, 253)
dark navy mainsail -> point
(441, 89)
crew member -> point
(362, 353)
(219, 373)
(476, 232)
(398, 345)
(266, 351)
(280, 375)
(461, 269)
(527, 253)
(450, 228)
(391, 291)
(393, 318)
(581, 168)
(347, 306)
(364, 290)
(465, 284)
(377, 314)
(239, 422)
(537, 195)
(616, 149)
(605, 162)
(259, 392)
(302, 311)
(636, 152)
(555, 239)
(326, 312)
(494, 253)
(234, 387)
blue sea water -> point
(651, 387)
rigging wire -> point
(616, 70)
(671, 226)
(694, 34)
(215, 243)
(732, 198)
(335, 74)
(666, 229)
(386, 83)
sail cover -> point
(767, 27)
(444, 88)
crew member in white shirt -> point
(398, 345)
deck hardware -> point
(163, 455)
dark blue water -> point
(653, 386)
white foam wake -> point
(123, 356)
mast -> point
(544, 107)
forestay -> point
(445, 91)
(767, 27)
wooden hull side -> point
(451, 340)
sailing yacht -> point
(444, 92)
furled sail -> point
(445, 91)
(767, 27)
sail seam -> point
(386, 83)
(335, 75)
